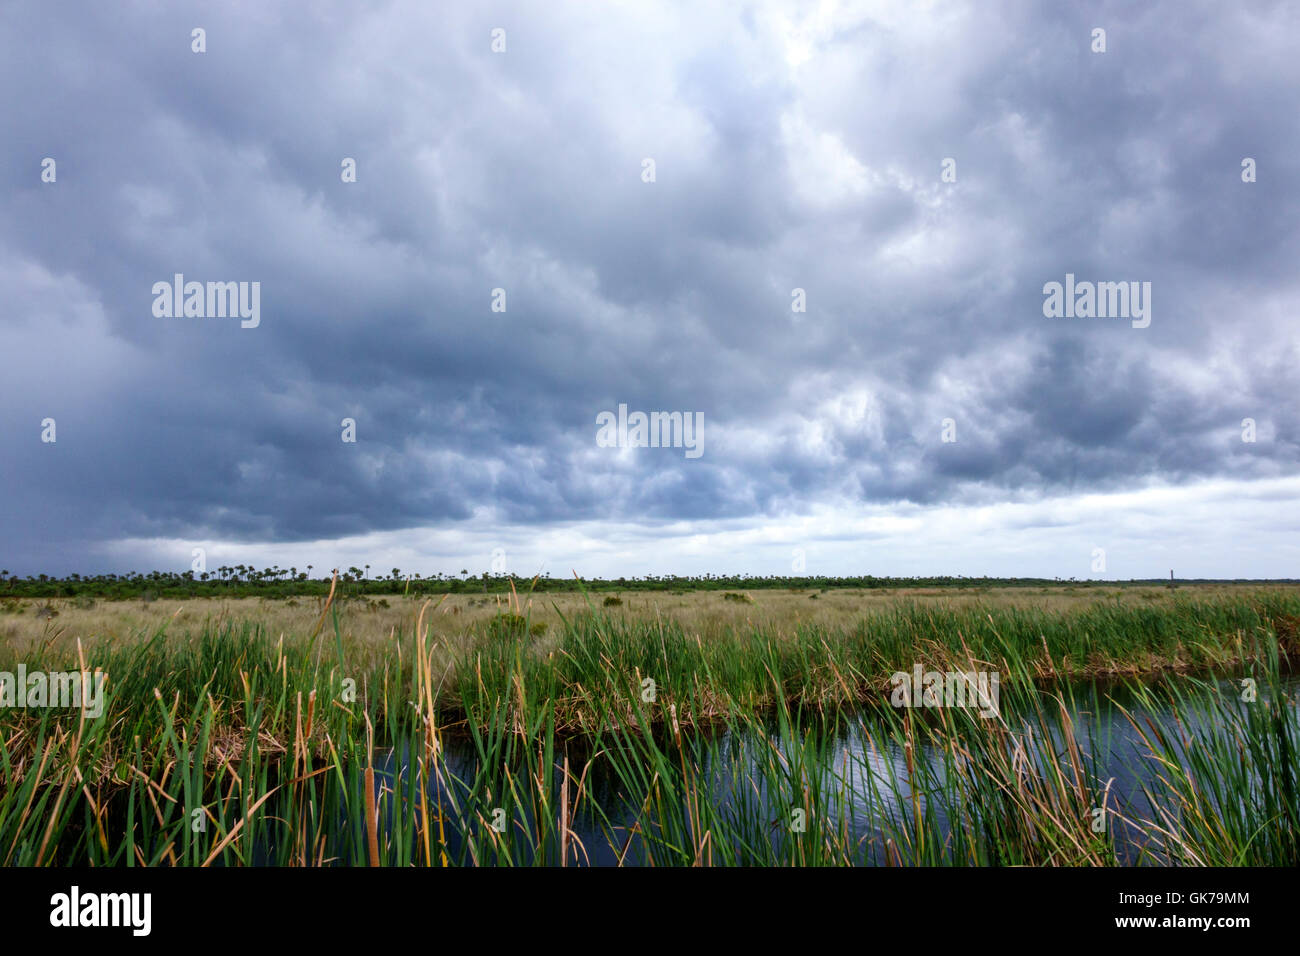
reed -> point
(614, 739)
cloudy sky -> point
(795, 146)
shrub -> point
(507, 625)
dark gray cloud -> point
(793, 149)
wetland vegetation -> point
(1135, 726)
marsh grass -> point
(1228, 791)
(228, 746)
(701, 613)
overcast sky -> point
(794, 146)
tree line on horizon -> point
(247, 581)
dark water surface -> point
(862, 773)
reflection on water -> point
(860, 771)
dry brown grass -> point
(701, 613)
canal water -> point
(749, 777)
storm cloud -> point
(795, 147)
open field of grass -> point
(705, 614)
(243, 581)
(665, 729)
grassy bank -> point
(228, 744)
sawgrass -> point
(616, 739)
